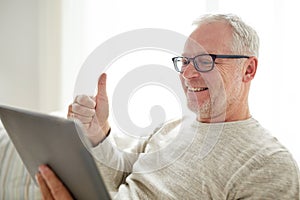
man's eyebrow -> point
(184, 55)
(193, 55)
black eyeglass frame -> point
(213, 56)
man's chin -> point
(203, 110)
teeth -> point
(196, 89)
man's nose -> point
(190, 72)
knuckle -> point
(85, 100)
(82, 110)
(75, 107)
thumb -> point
(101, 93)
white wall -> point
(19, 72)
(30, 54)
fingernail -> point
(42, 168)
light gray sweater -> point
(192, 160)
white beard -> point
(218, 103)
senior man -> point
(229, 154)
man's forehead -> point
(192, 48)
(208, 38)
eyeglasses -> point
(202, 62)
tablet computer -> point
(59, 143)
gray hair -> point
(245, 38)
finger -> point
(85, 100)
(82, 119)
(57, 189)
(43, 187)
(82, 110)
(69, 110)
(86, 125)
(101, 94)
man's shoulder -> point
(247, 146)
(272, 171)
(260, 158)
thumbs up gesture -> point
(93, 112)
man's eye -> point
(206, 62)
(185, 62)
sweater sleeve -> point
(114, 163)
(276, 177)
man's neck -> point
(235, 115)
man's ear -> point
(251, 67)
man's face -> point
(212, 94)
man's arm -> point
(93, 113)
(113, 163)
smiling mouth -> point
(199, 89)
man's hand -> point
(93, 112)
(51, 187)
